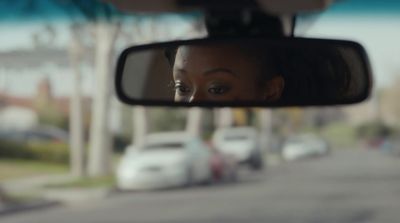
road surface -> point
(348, 186)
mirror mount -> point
(251, 23)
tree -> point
(140, 123)
(106, 29)
(99, 163)
(42, 40)
(100, 14)
(223, 117)
(77, 150)
(194, 121)
(265, 120)
(82, 12)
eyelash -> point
(225, 89)
(178, 88)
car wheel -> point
(209, 179)
(256, 161)
(189, 178)
(233, 175)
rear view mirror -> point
(244, 72)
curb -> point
(33, 206)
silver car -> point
(242, 142)
(168, 159)
(302, 146)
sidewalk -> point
(45, 197)
(40, 197)
(13, 191)
(33, 184)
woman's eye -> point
(181, 89)
(218, 90)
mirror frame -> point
(303, 41)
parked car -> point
(241, 142)
(34, 135)
(224, 166)
(391, 146)
(165, 160)
(302, 146)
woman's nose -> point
(197, 96)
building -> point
(18, 112)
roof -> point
(61, 103)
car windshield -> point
(57, 61)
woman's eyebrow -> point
(209, 72)
(220, 70)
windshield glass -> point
(57, 60)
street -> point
(348, 186)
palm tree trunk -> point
(77, 154)
(100, 138)
(140, 123)
(194, 121)
(223, 118)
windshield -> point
(57, 61)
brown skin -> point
(221, 73)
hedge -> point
(43, 151)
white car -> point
(165, 160)
(302, 146)
(242, 142)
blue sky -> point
(365, 7)
(375, 24)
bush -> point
(43, 151)
(10, 149)
(373, 130)
(120, 143)
(340, 135)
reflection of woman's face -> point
(217, 73)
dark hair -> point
(170, 54)
(314, 74)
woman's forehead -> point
(214, 61)
(209, 55)
(209, 49)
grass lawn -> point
(108, 181)
(11, 169)
(87, 182)
(338, 134)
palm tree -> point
(77, 156)
(99, 163)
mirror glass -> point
(285, 72)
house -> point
(20, 113)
